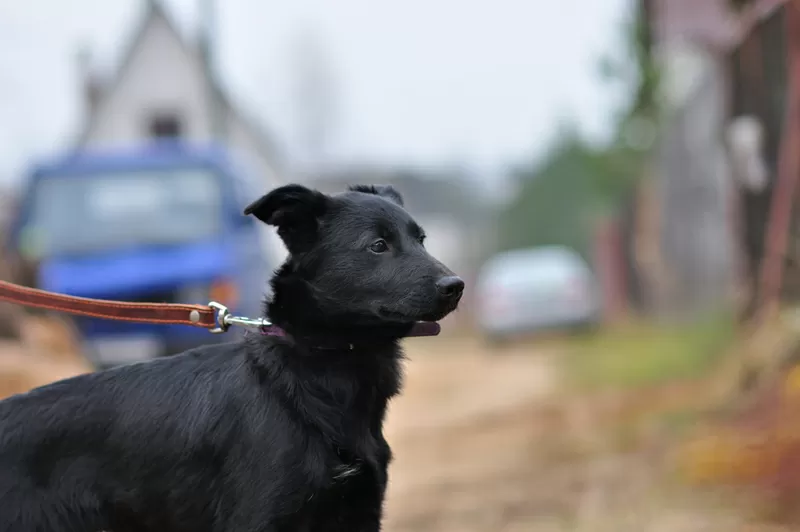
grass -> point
(644, 354)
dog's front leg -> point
(254, 514)
(370, 514)
(362, 508)
(278, 508)
(241, 523)
(366, 517)
(384, 459)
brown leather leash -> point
(162, 313)
(215, 317)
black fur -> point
(270, 434)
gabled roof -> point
(153, 12)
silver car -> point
(536, 289)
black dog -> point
(268, 434)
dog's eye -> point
(379, 246)
(422, 238)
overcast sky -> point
(479, 81)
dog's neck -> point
(294, 309)
(350, 390)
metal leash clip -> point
(225, 319)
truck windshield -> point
(72, 214)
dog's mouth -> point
(418, 315)
(393, 315)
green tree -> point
(554, 201)
(560, 196)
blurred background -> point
(614, 179)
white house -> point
(163, 88)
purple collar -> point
(420, 328)
(271, 330)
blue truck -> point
(152, 223)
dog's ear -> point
(288, 205)
(295, 211)
(387, 191)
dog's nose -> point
(451, 286)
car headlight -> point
(224, 291)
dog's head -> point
(359, 254)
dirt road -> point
(483, 442)
(463, 433)
(486, 442)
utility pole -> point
(208, 35)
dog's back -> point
(138, 438)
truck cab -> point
(155, 223)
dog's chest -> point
(348, 466)
(354, 487)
